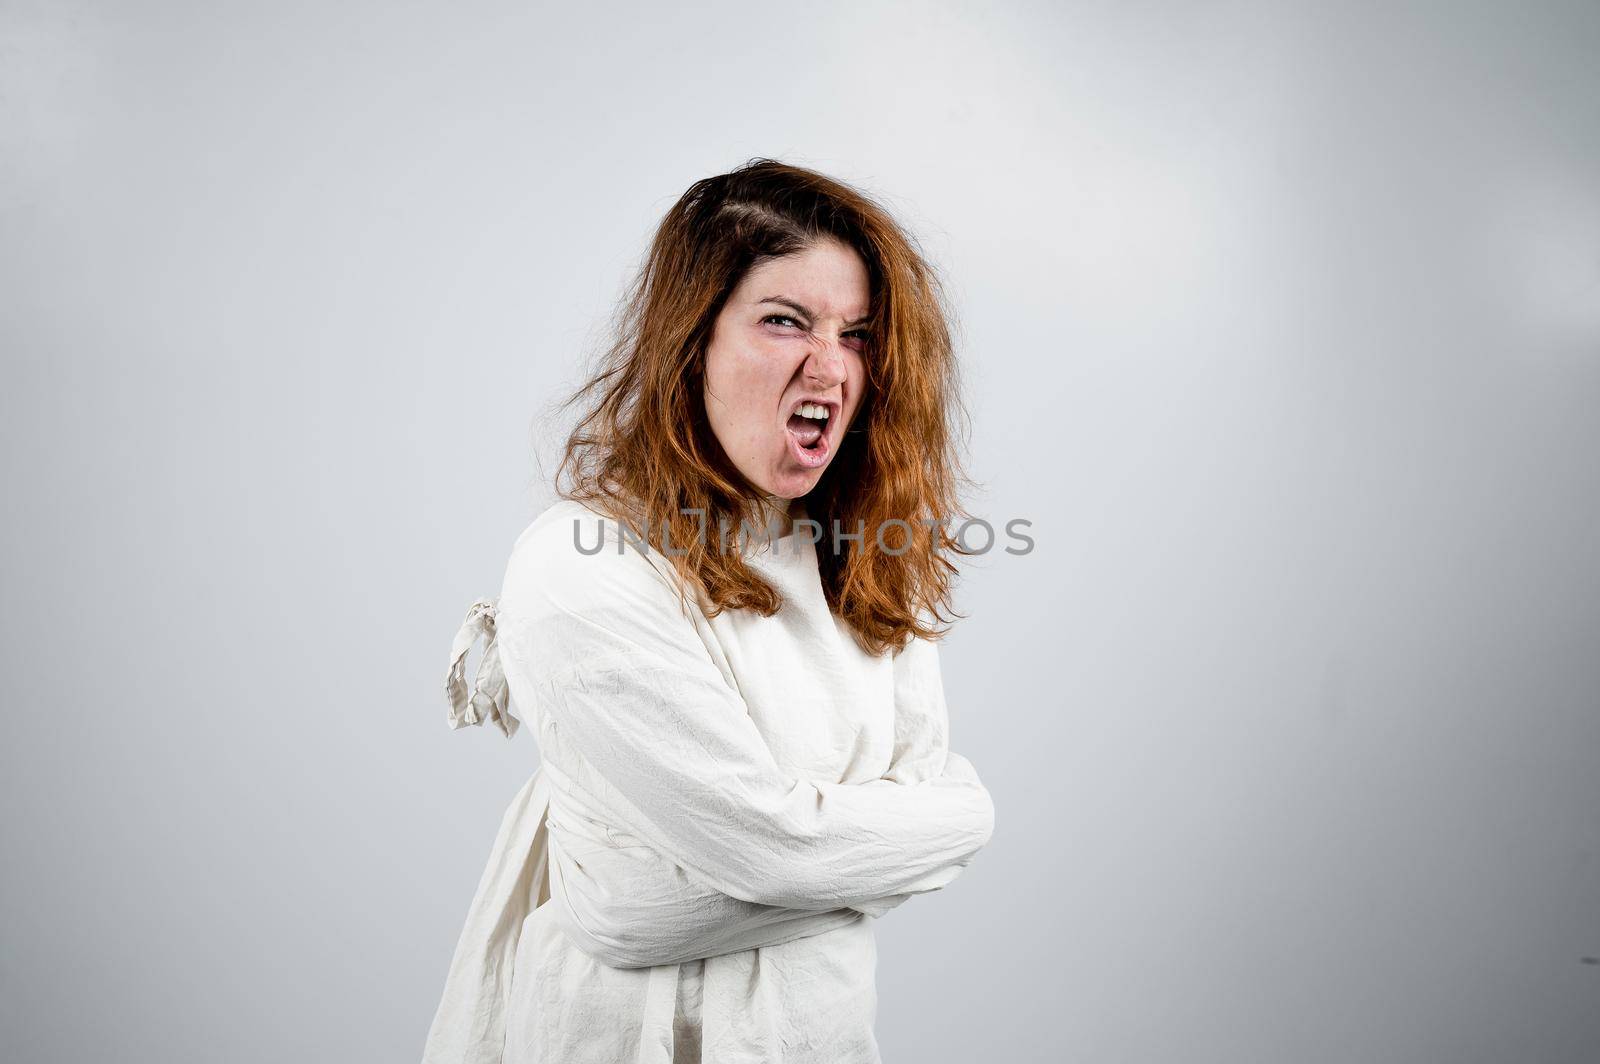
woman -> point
(723, 633)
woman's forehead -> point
(826, 284)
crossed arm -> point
(670, 757)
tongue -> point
(806, 429)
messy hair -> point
(644, 452)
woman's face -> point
(789, 339)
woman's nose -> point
(825, 364)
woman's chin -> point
(789, 481)
(794, 484)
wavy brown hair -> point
(635, 456)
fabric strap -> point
(489, 698)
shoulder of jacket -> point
(573, 553)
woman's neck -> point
(778, 512)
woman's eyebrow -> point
(804, 313)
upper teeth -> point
(815, 410)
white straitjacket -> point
(723, 807)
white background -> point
(1281, 322)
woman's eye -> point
(862, 336)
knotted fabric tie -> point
(489, 698)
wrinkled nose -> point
(824, 367)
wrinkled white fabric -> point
(722, 803)
(490, 697)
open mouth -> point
(807, 430)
